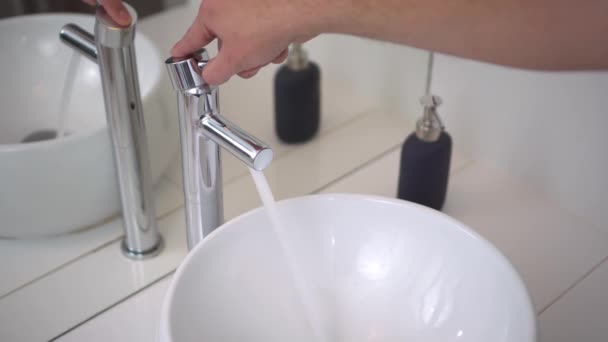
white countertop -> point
(551, 249)
(80, 288)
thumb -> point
(221, 68)
(195, 38)
(117, 11)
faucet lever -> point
(112, 48)
(202, 130)
(186, 73)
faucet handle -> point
(186, 72)
(109, 33)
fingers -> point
(221, 68)
(117, 11)
(253, 71)
(195, 38)
(281, 57)
(249, 73)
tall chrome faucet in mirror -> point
(113, 50)
(203, 129)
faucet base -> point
(152, 252)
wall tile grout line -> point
(575, 283)
(59, 267)
(329, 184)
(165, 177)
(578, 281)
(357, 169)
(328, 132)
(374, 159)
(179, 206)
(78, 258)
(392, 149)
(109, 307)
(120, 301)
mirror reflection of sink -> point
(376, 269)
(52, 186)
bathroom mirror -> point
(369, 100)
(11, 8)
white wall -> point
(550, 129)
(390, 76)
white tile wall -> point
(582, 314)
(547, 128)
(136, 319)
(550, 247)
(82, 289)
(380, 176)
(484, 199)
(24, 261)
(96, 281)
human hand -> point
(252, 33)
(115, 8)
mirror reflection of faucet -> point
(113, 50)
(203, 130)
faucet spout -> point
(112, 48)
(80, 40)
(203, 130)
(247, 148)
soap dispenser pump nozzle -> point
(429, 126)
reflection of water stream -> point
(66, 94)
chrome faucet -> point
(203, 129)
(113, 50)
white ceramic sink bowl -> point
(57, 186)
(379, 270)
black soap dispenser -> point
(425, 159)
(297, 97)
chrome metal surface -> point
(109, 33)
(247, 148)
(144, 254)
(80, 40)
(115, 55)
(201, 171)
(429, 73)
(297, 59)
(429, 127)
(186, 73)
(202, 131)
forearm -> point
(539, 34)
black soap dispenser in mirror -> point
(297, 97)
(425, 159)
